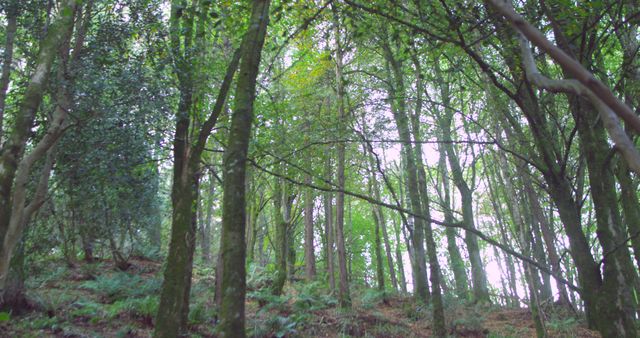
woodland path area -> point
(304, 168)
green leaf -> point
(4, 317)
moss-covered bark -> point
(455, 258)
(15, 166)
(280, 240)
(232, 317)
(328, 229)
(478, 274)
(309, 254)
(396, 91)
(344, 297)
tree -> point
(16, 164)
(235, 157)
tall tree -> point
(15, 164)
(188, 144)
(343, 284)
(235, 158)
(478, 274)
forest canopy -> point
(276, 168)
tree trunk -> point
(434, 266)
(233, 205)
(280, 240)
(478, 274)
(630, 207)
(398, 108)
(173, 311)
(547, 235)
(455, 258)
(550, 163)
(309, 254)
(11, 15)
(15, 165)
(382, 222)
(402, 279)
(206, 226)
(344, 297)
(329, 231)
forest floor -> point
(94, 300)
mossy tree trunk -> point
(309, 253)
(15, 165)
(328, 229)
(478, 274)
(344, 297)
(396, 91)
(455, 258)
(434, 266)
(232, 316)
(280, 239)
(11, 15)
(188, 145)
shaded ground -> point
(94, 300)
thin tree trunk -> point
(207, 224)
(377, 244)
(402, 279)
(329, 232)
(309, 254)
(478, 274)
(434, 266)
(344, 297)
(398, 108)
(382, 223)
(290, 233)
(548, 237)
(11, 15)
(455, 258)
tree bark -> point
(173, 311)
(206, 226)
(233, 204)
(344, 297)
(329, 231)
(15, 165)
(11, 14)
(434, 266)
(478, 274)
(455, 258)
(378, 212)
(280, 240)
(398, 108)
(309, 254)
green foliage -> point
(145, 307)
(120, 285)
(372, 297)
(88, 309)
(563, 327)
(50, 276)
(258, 277)
(269, 301)
(5, 317)
(44, 322)
(313, 296)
